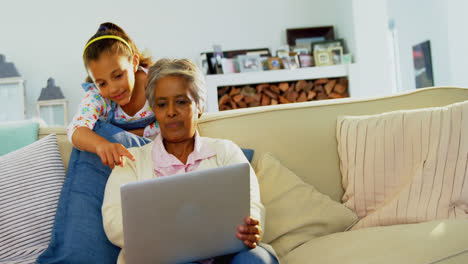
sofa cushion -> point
(295, 211)
(405, 166)
(428, 242)
(30, 182)
(18, 133)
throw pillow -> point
(405, 166)
(18, 133)
(295, 211)
(30, 182)
(78, 235)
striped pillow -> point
(406, 166)
(31, 179)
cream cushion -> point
(295, 211)
(426, 243)
(405, 166)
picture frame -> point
(218, 57)
(336, 55)
(301, 50)
(274, 63)
(325, 45)
(285, 61)
(229, 54)
(203, 63)
(422, 62)
(347, 59)
(307, 36)
(264, 61)
(282, 51)
(249, 63)
(291, 62)
(306, 60)
(282, 54)
(323, 58)
(228, 65)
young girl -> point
(115, 93)
(114, 104)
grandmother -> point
(176, 93)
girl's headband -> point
(107, 37)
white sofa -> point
(303, 137)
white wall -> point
(420, 20)
(458, 42)
(371, 75)
(45, 38)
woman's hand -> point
(250, 233)
(111, 154)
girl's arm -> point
(92, 108)
(111, 154)
(80, 131)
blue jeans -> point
(257, 255)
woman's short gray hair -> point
(184, 68)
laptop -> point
(185, 217)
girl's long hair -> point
(112, 46)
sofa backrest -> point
(302, 135)
(64, 146)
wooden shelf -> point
(219, 80)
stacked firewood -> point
(232, 97)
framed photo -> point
(249, 63)
(301, 50)
(306, 60)
(325, 45)
(274, 63)
(422, 60)
(285, 61)
(282, 51)
(228, 65)
(323, 58)
(229, 54)
(336, 55)
(307, 36)
(347, 59)
(235, 53)
(261, 52)
(282, 54)
(218, 55)
(264, 61)
(291, 62)
(203, 63)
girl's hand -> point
(250, 233)
(111, 154)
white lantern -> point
(52, 107)
(12, 96)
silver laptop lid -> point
(185, 217)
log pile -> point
(234, 97)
